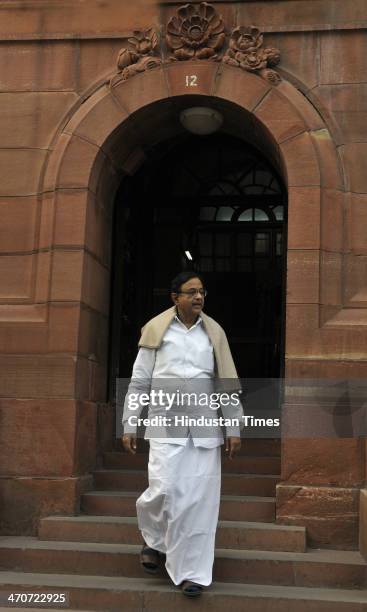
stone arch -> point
(103, 140)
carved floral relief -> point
(139, 57)
(198, 33)
(195, 33)
(246, 52)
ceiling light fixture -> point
(201, 120)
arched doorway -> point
(214, 204)
(114, 132)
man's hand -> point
(233, 445)
(129, 443)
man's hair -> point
(182, 278)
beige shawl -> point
(153, 332)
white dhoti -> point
(178, 512)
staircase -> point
(259, 566)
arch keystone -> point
(187, 78)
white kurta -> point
(186, 356)
(178, 512)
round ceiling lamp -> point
(201, 120)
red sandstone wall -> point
(53, 352)
(41, 82)
(51, 54)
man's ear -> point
(174, 298)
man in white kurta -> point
(178, 513)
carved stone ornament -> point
(140, 57)
(195, 33)
(245, 51)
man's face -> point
(189, 301)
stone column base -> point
(363, 523)
(24, 500)
(330, 514)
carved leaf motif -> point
(124, 59)
(205, 53)
(230, 61)
(152, 36)
(217, 42)
(273, 56)
(138, 34)
(216, 25)
(271, 75)
(184, 54)
(148, 63)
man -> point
(178, 513)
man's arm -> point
(233, 410)
(140, 383)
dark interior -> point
(217, 198)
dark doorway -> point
(218, 200)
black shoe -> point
(191, 589)
(150, 559)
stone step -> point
(137, 594)
(124, 530)
(232, 484)
(239, 464)
(316, 568)
(232, 507)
